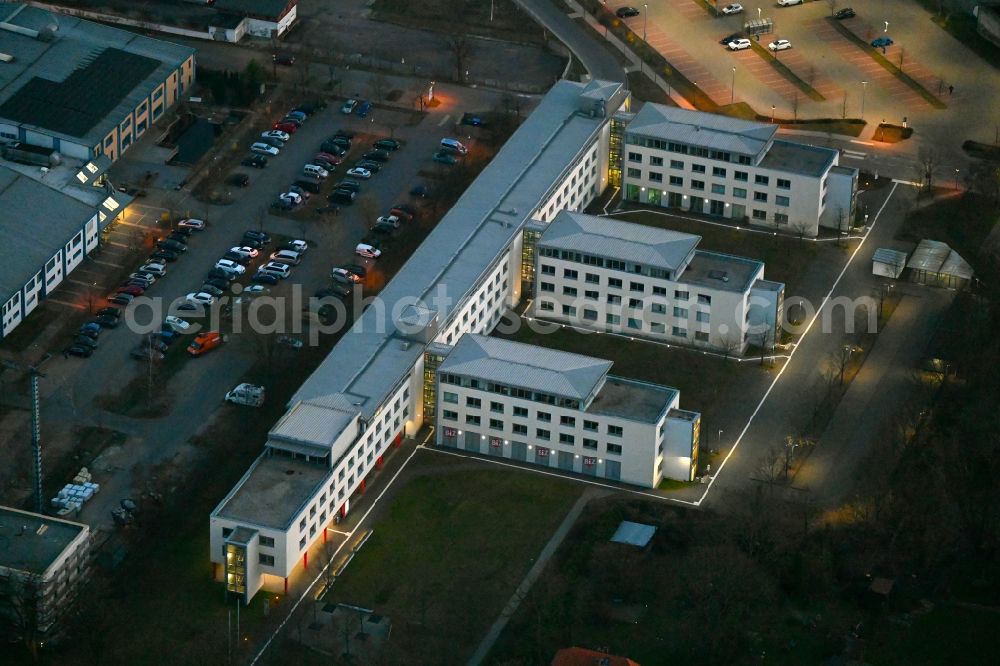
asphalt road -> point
(595, 58)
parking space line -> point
(444, 120)
(105, 263)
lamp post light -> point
(772, 113)
(732, 90)
(645, 11)
(758, 13)
(886, 26)
(864, 89)
(430, 92)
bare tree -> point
(795, 104)
(902, 55)
(732, 344)
(19, 602)
(379, 87)
(769, 466)
(832, 4)
(461, 50)
(843, 109)
(800, 228)
(841, 360)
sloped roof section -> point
(608, 237)
(696, 128)
(526, 366)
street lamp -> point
(430, 92)
(758, 13)
(772, 113)
(887, 26)
(732, 90)
(864, 89)
(645, 11)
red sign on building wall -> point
(496, 442)
(543, 452)
(589, 462)
(450, 432)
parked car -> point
(368, 165)
(277, 268)
(264, 149)
(308, 185)
(274, 143)
(205, 342)
(444, 158)
(376, 156)
(357, 269)
(230, 265)
(89, 330)
(245, 250)
(289, 127)
(219, 274)
(289, 341)
(177, 324)
(344, 276)
(348, 106)
(156, 269)
(181, 236)
(779, 45)
(734, 8)
(85, 341)
(297, 115)
(292, 197)
(286, 257)
(844, 13)
(390, 220)
(291, 120)
(336, 148)
(336, 291)
(368, 251)
(211, 290)
(255, 161)
(257, 235)
(275, 134)
(348, 184)
(626, 12)
(172, 245)
(164, 254)
(121, 299)
(882, 42)
(263, 277)
(284, 59)
(147, 354)
(148, 278)
(358, 172)
(217, 283)
(342, 197)
(109, 312)
(328, 157)
(388, 144)
(315, 170)
(299, 246)
(201, 297)
(139, 286)
(419, 191)
(363, 109)
(80, 350)
(107, 321)
(789, 3)
(739, 44)
(191, 223)
(401, 213)
(250, 395)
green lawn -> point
(946, 635)
(448, 553)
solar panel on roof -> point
(76, 104)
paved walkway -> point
(529, 579)
(878, 389)
(595, 58)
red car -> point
(401, 214)
(133, 290)
(327, 157)
(286, 127)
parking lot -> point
(160, 406)
(831, 63)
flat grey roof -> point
(889, 256)
(35, 221)
(23, 548)
(611, 238)
(632, 400)
(768, 285)
(697, 128)
(724, 272)
(371, 358)
(273, 492)
(83, 81)
(634, 534)
(798, 158)
(525, 366)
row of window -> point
(631, 322)
(717, 172)
(540, 433)
(505, 389)
(490, 295)
(738, 192)
(685, 149)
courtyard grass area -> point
(946, 635)
(508, 21)
(708, 384)
(448, 552)
(786, 259)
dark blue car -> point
(882, 42)
(364, 108)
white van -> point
(286, 257)
(264, 149)
(275, 268)
(246, 394)
(454, 146)
(315, 170)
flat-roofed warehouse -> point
(82, 88)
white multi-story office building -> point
(378, 383)
(562, 411)
(716, 165)
(643, 281)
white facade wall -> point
(641, 305)
(583, 183)
(579, 436)
(786, 201)
(262, 28)
(484, 308)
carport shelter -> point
(934, 263)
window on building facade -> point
(780, 218)
(701, 336)
(681, 312)
(656, 176)
(548, 269)
(759, 214)
(569, 310)
(472, 419)
(567, 421)
(718, 172)
(592, 295)
(681, 295)
(266, 542)
(570, 274)
(781, 201)
(590, 425)
(496, 424)
(519, 429)
(760, 196)
(634, 323)
(741, 176)
(634, 173)
(761, 180)
(496, 407)
(615, 431)
(547, 286)
(657, 327)
(521, 411)
(698, 168)
(475, 403)
(546, 306)
(697, 184)
(676, 164)
(589, 315)
(659, 291)
(615, 449)
(542, 434)
(704, 299)
(589, 443)
(614, 283)
(784, 184)
(593, 278)
(739, 193)
(266, 560)
(614, 299)
(566, 439)
(701, 316)
(635, 303)
(543, 416)
(635, 157)
(718, 189)
(449, 415)
(677, 181)
(658, 308)
(448, 396)
(655, 161)
(612, 319)
(569, 291)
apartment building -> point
(82, 88)
(727, 167)
(43, 562)
(643, 281)
(562, 411)
(378, 384)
